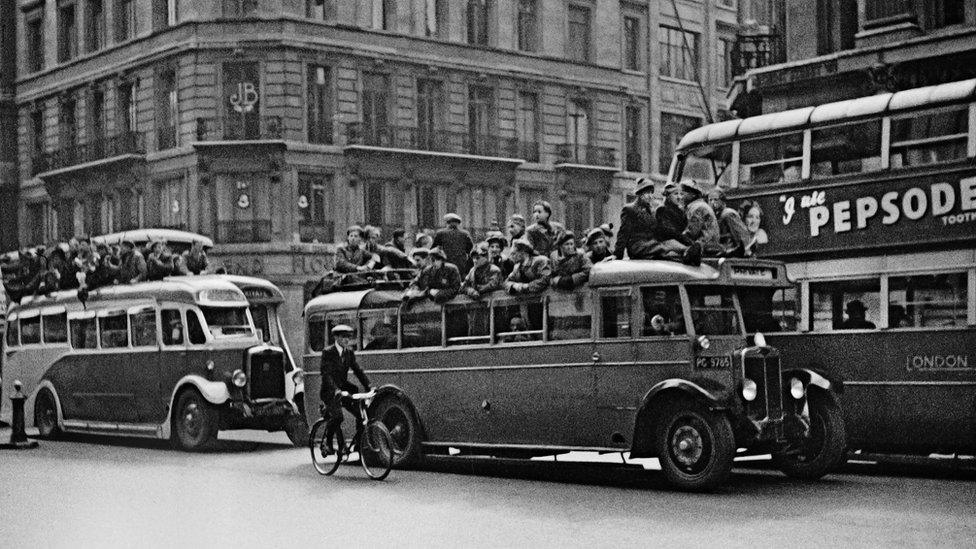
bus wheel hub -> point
(687, 445)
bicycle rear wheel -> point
(376, 450)
(325, 462)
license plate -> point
(713, 362)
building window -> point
(632, 138)
(435, 14)
(723, 61)
(943, 13)
(173, 203)
(242, 100)
(37, 229)
(319, 104)
(240, 8)
(528, 125)
(578, 129)
(384, 14)
(167, 108)
(322, 10)
(376, 95)
(836, 25)
(164, 14)
(67, 32)
(727, 3)
(579, 33)
(109, 209)
(880, 11)
(673, 128)
(94, 25)
(383, 205)
(125, 112)
(125, 20)
(37, 135)
(243, 208)
(633, 41)
(315, 208)
(96, 116)
(67, 124)
(478, 12)
(679, 53)
(480, 121)
(528, 30)
(34, 40)
(428, 215)
(430, 104)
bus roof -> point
(254, 288)
(151, 235)
(188, 289)
(951, 92)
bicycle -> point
(375, 446)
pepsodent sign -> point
(937, 200)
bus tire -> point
(695, 445)
(396, 413)
(296, 428)
(46, 415)
(195, 422)
(826, 447)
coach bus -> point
(176, 359)
(649, 358)
(872, 204)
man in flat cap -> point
(484, 277)
(455, 241)
(531, 272)
(598, 246)
(440, 281)
(638, 226)
(571, 269)
(337, 360)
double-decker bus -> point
(174, 359)
(871, 202)
(650, 358)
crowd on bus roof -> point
(682, 223)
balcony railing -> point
(247, 127)
(753, 51)
(590, 155)
(95, 149)
(235, 232)
(402, 137)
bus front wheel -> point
(195, 422)
(695, 446)
(397, 415)
(46, 415)
(824, 446)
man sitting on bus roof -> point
(571, 269)
(702, 223)
(531, 272)
(733, 237)
(544, 233)
(440, 281)
(598, 246)
(352, 257)
(484, 277)
(133, 267)
(496, 256)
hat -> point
(565, 237)
(452, 217)
(420, 251)
(518, 218)
(480, 248)
(497, 237)
(594, 234)
(523, 244)
(607, 229)
(643, 185)
(438, 252)
(717, 193)
(342, 329)
(129, 243)
(855, 305)
(670, 187)
(689, 187)
(354, 229)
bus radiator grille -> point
(266, 376)
(765, 371)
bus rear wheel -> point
(823, 449)
(46, 415)
(396, 413)
(695, 446)
(195, 422)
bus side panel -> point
(904, 390)
(29, 366)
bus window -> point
(316, 333)
(142, 324)
(771, 159)
(616, 313)
(468, 323)
(55, 328)
(929, 137)
(845, 305)
(708, 165)
(569, 315)
(662, 312)
(13, 332)
(422, 328)
(379, 329)
(83, 332)
(769, 309)
(172, 324)
(260, 315)
(849, 148)
(225, 321)
(114, 330)
(713, 311)
(30, 330)
(927, 300)
(194, 328)
(517, 321)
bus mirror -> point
(260, 332)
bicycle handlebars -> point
(358, 396)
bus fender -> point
(815, 378)
(215, 392)
(29, 413)
(392, 391)
(646, 421)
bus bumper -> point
(264, 414)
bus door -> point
(141, 372)
(663, 344)
(110, 386)
(173, 358)
(614, 355)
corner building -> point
(271, 125)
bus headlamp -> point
(239, 378)
(298, 378)
(797, 390)
(704, 343)
(760, 340)
(749, 390)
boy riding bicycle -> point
(337, 360)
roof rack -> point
(387, 279)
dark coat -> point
(349, 259)
(596, 258)
(195, 263)
(672, 221)
(482, 280)
(456, 244)
(638, 227)
(544, 236)
(530, 277)
(447, 280)
(133, 268)
(734, 236)
(571, 271)
(335, 372)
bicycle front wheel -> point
(376, 450)
(326, 461)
